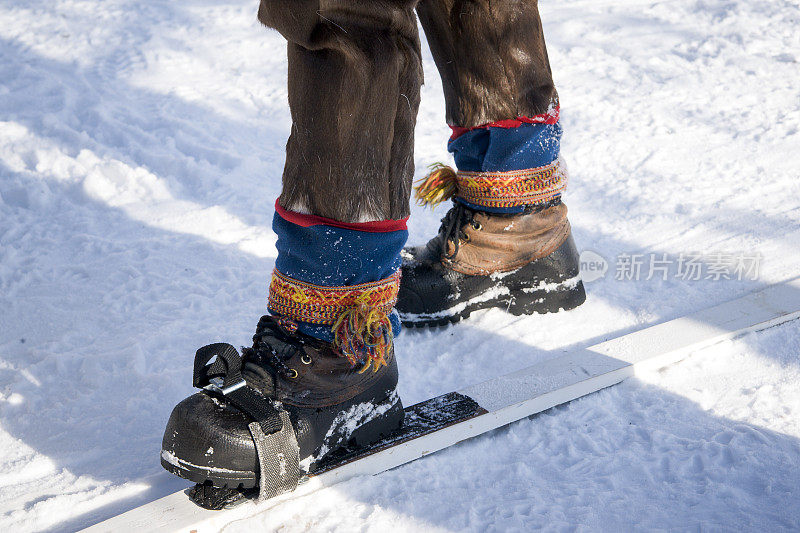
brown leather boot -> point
(523, 263)
(287, 376)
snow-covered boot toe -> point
(523, 263)
(207, 438)
(285, 377)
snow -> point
(345, 424)
(491, 294)
(141, 148)
(172, 459)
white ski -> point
(504, 400)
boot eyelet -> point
(305, 359)
(464, 239)
(291, 374)
(477, 226)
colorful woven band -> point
(317, 304)
(513, 188)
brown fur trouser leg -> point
(354, 78)
(491, 56)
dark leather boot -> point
(523, 263)
(330, 404)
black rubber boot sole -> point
(547, 285)
(570, 296)
(241, 480)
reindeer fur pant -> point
(354, 80)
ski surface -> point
(440, 422)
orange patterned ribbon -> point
(494, 189)
(510, 189)
(358, 314)
(317, 304)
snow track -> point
(496, 403)
(141, 148)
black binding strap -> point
(228, 366)
(272, 431)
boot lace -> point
(272, 347)
(453, 225)
(455, 222)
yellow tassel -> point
(439, 185)
(363, 334)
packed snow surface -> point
(141, 149)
